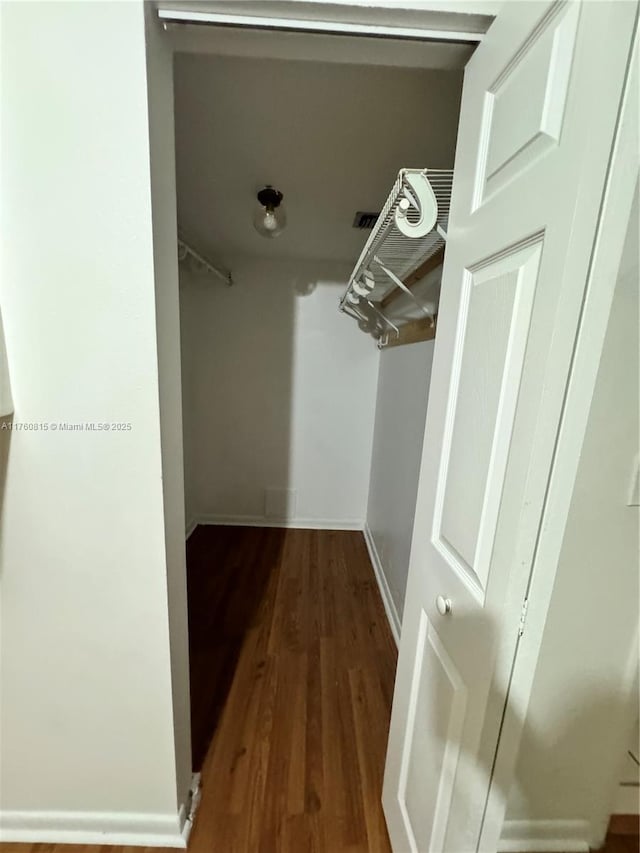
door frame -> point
(606, 254)
(458, 22)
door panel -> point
(538, 76)
(495, 313)
(439, 710)
(538, 117)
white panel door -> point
(539, 109)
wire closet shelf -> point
(187, 253)
(411, 229)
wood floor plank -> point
(370, 771)
(286, 746)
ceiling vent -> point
(365, 219)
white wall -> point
(189, 304)
(401, 409)
(6, 403)
(579, 717)
(87, 727)
(283, 388)
(163, 200)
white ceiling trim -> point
(178, 16)
(427, 24)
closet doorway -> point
(302, 438)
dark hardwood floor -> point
(622, 844)
(297, 757)
(228, 572)
(292, 669)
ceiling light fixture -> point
(270, 217)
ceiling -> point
(330, 136)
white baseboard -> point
(545, 836)
(119, 828)
(187, 821)
(293, 523)
(383, 586)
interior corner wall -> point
(87, 728)
(281, 388)
(401, 410)
(580, 715)
(189, 304)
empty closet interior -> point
(306, 354)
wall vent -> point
(365, 219)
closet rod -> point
(185, 250)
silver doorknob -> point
(443, 604)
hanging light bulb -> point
(270, 217)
